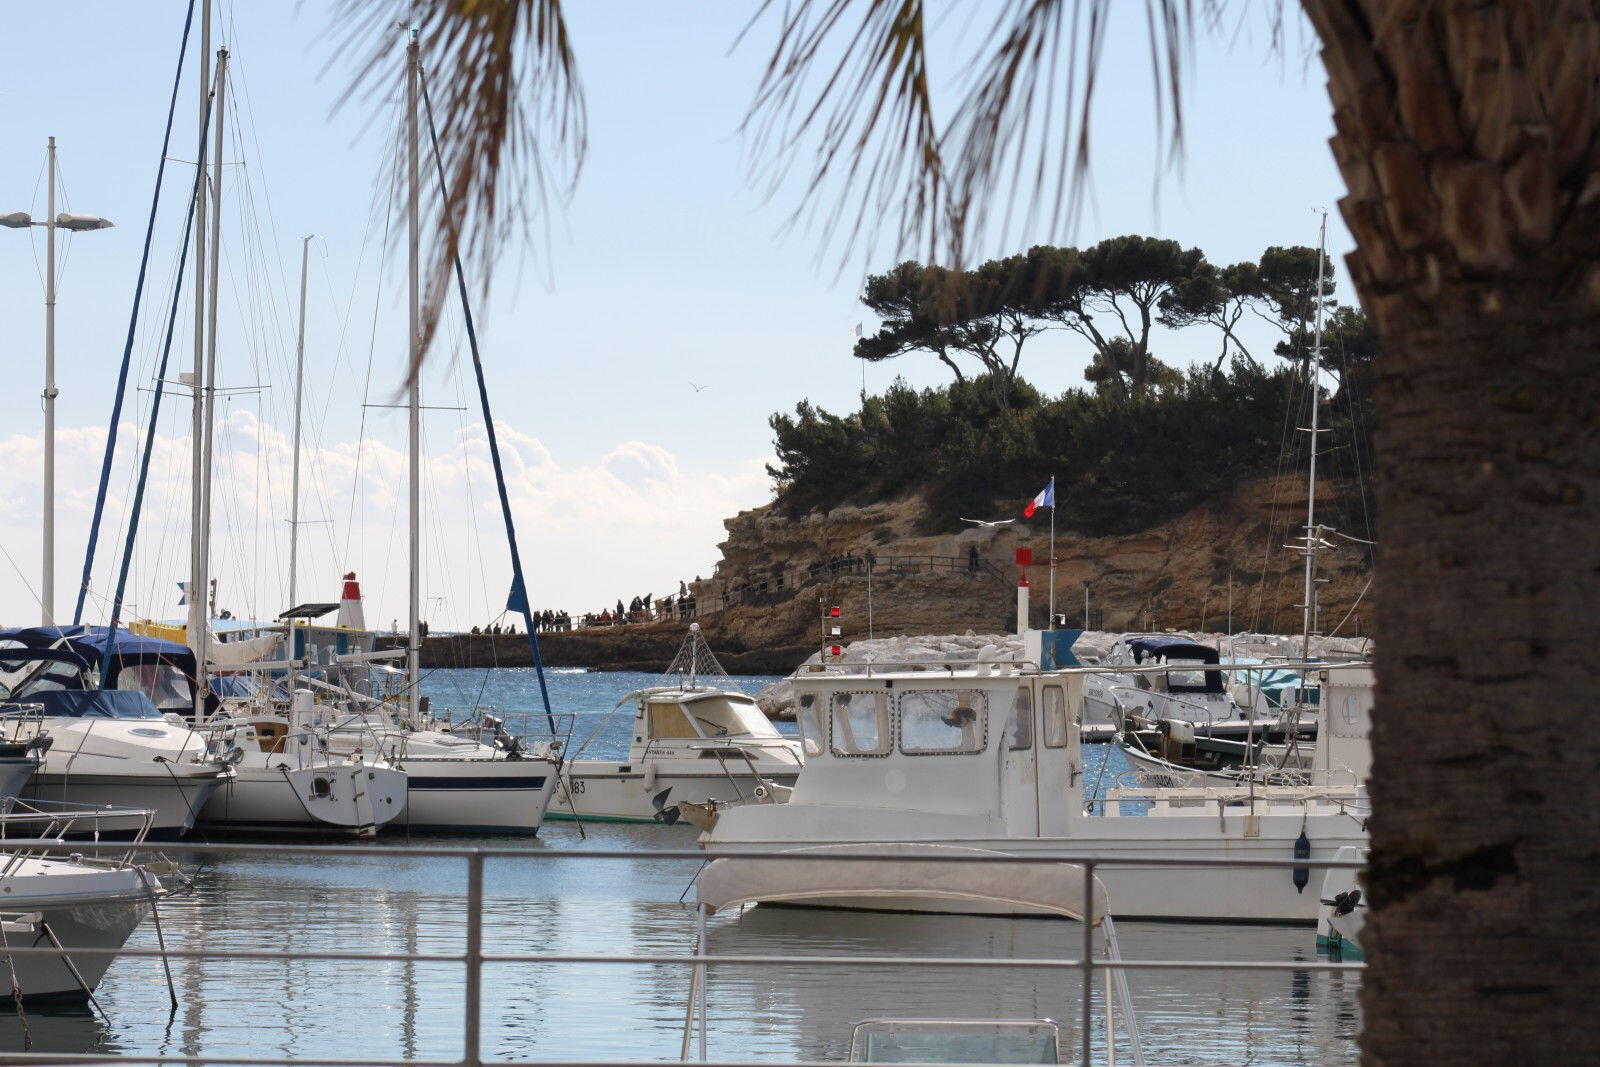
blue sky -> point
(667, 267)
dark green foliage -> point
(1120, 465)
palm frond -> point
(512, 127)
(1019, 133)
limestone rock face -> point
(1221, 566)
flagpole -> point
(1050, 624)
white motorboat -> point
(289, 780)
(987, 755)
(690, 746)
(694, 743)
(110, 746)
(73, 914)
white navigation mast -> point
(414, 400)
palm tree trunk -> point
(1464, 133)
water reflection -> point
(382, 1009)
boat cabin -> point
(60, 667)
(669, 713)
(991, 750)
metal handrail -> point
(473, 956)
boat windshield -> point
(727, 716)
(42, 676)
(165, 685)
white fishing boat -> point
(110, 745)
(694, 742)
(988, 756)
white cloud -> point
(620, 523)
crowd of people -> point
(646, 608)
(544, 622)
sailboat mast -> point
(1311, 493)
(294, 491)
(202, 634)
(195, 597)
(414, 404)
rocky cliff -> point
(1220, 566)
(1224, 561)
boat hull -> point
(596, 790)
(1186, 893)
(82, 907)
(14, 774)
(176, 799)
(341, 798)
(481, 796)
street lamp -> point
(52, 222)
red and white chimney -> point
(351, 615)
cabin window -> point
(1055, 716)
(808, 717)
(860, 724)
(943, 721)
(1019, 731)
(668, 720)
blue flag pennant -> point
(518, 600)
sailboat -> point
(456, 781)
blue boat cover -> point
(85, 646)
(95, 704)
(90, 642)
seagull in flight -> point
(699, 388)
(987, 524)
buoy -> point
(1302, 851)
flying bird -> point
(990, 525)
(699, 388)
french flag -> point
(1045, 499)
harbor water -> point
(385, 1009)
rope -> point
(16, 990)
(133, 322)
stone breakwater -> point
(643, 647)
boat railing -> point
(23, 823)
(21, 722)
(1338, 786)
(991, 668)
(472, 954)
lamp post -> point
(51, 223)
